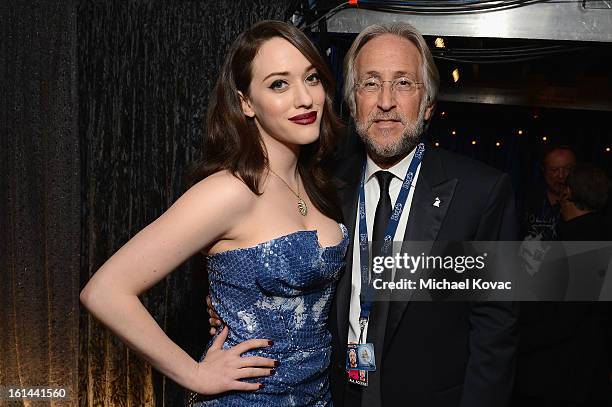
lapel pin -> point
(437, 202)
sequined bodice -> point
(281, 290)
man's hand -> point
(214, 319)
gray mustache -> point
(395, 117)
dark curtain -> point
(39, 196)
(146, 69)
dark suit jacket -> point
(438, 353)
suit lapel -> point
(432, 197)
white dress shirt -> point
(372, 193)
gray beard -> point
(408, 140)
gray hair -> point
(429, 71)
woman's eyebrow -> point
(285, 73)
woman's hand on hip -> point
(222, 369)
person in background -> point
(585, 195)
(564, 346)
(542, 208)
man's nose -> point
(386, 98)
(560, 175)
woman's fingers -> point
(250, 372)
(214, 322)
(228, 367)
(251, 344)
(257, 361)
(244, 386)
(219, 340)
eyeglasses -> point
(373, 86)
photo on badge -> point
(358, 377)
(360, 357)
(365, 352)
(351, 358)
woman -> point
(262, 212)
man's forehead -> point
(393, 69)
(388, 55)
(559, 156)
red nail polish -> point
(272, 372)
(261, 386)
(276, 363)
(270, 343)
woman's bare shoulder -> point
(225, 190)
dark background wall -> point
(40, 200)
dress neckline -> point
(312, 232)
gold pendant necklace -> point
(301, 204)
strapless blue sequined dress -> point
(280, 290)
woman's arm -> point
(204, 214)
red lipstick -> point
(306, 118)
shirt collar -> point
(399, 170)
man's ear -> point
(429, 111)
(245, 103)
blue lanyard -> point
(364, 258)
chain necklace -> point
(301, 204)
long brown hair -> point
(232, 141)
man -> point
(542, 210)
(427, 354)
